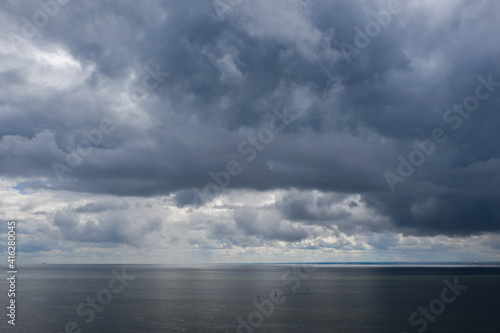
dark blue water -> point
(209, 299)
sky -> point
(234, 131)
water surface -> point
(211, 298)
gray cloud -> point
(226, 75)
(97, 207)
(254, 224)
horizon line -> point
(392, 263)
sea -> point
(254, 298)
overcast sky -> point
(250, 131)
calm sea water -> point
(209, 299)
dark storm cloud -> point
(184, 198)
(450, 214)
(306, 208)
(333, 211)
(227, 75)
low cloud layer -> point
(251, 126)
